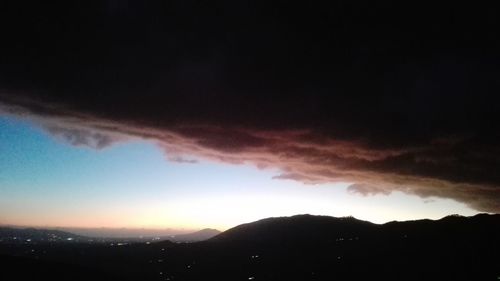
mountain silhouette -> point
(200, 235)
(296, 228)
(302, 247)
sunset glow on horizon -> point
(46, 182)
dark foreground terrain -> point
(290, 248)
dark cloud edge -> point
(300, 154)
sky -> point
(369, 102)
(45, 181)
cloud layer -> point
(372, 96)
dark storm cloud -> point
(386, 96)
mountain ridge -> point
(276, 228)
(303, 247)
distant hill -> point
(201, 235)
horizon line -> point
(202, 228)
